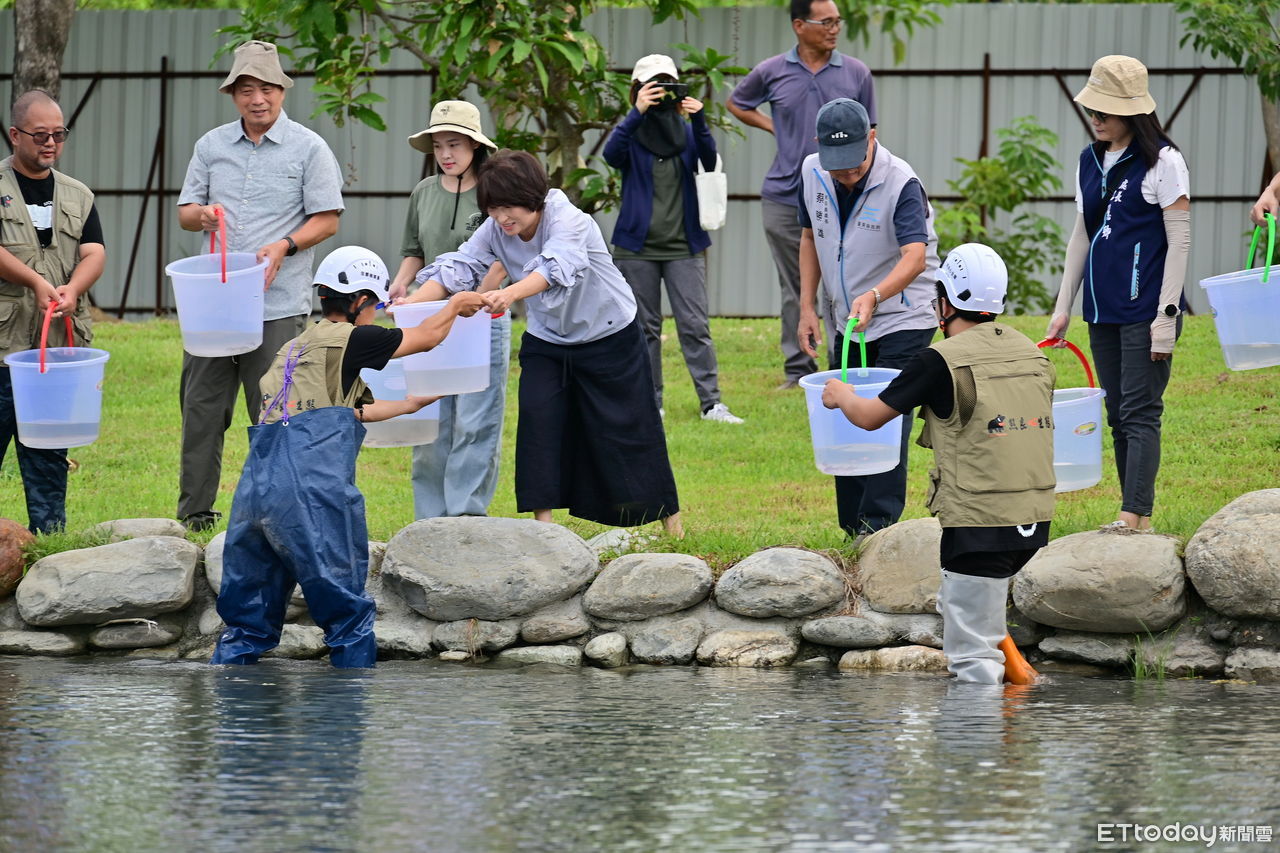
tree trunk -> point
(41, 28)
(1271, 124)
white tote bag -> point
(713, 195)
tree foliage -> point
(1245, 33)
(896, 20)
(1021, 170)
(545, 78)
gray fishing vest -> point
(858, 259)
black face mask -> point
(662, 129)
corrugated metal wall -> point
(930, 120)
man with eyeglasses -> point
(51, 253)
(279, 190)
(796, 84)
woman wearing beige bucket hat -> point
(458, 472)
(1128, 254)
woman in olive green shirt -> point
(458, 472)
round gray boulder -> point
(848, 632)
(638, 586)
(1232, 559)
(1104, 582)
(485, 568)
(138, 578)
(899, 567)
(781, 582)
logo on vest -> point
(1002, 425)
(6, 200)
(869, 219)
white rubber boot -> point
(973, 625)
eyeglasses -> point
(1094, 114)
(826, 23)
(40, 137)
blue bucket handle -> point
(1271, 245)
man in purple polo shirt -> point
(796, 84)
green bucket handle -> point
(1271, 245)
(844, 353)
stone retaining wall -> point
(470, 589)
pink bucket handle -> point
(220, 236)
(1088, 371)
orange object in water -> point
(1016, 668)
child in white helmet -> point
(986, 396)
(297, 516)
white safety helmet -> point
(975, 279)
(352, 269)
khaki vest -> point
(994, 456)
(20, 319)
(317, 376)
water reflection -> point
(109, 755)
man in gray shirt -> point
(794, 85)
(280, 191)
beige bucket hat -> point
(457, 116)
(1117, 86)
(256, 59)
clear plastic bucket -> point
(459, 365)
(421, 427)
(61, 407)
(217, 317)
(1077, 438)
(841, 448)
(1246, 312)
(1077, 430)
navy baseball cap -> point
(843, 128)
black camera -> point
(676, 91)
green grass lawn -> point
(742, 488)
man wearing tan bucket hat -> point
(278, 188)
(1128, 256)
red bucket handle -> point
(44, 332)
(220, 234)
(1088, 371)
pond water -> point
(132, 755)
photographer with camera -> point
(658, 238)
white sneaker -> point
(720, 412)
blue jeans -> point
(44, 472)
(867, 504)
(1134, 386)
(458, 472)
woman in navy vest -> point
(1129, 251)
(658, 237)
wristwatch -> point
(293, 247)
(1170, 310)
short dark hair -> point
(333, 302)
(971, 316)
(24, 102)
(800, 9)
(512, 179)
